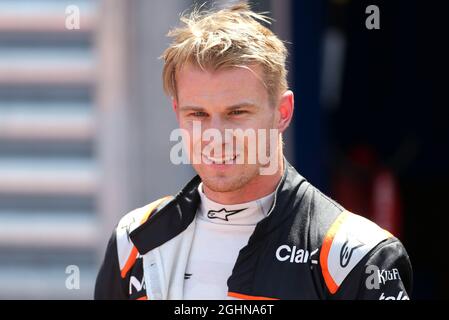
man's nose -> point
(217, 123)
(221, 127)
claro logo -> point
(294, 255)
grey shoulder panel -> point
(349, 239)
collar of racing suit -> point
(177, 213)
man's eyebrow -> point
(241, 105)
(229, 108)
(191, 108)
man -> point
(243, 229)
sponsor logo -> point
(294, 255)
(128, 225)
(388, 275)
(222, 214)
(136, 284)
(379, 277)
(347, 250)
(400, 296)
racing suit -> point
(308, 247)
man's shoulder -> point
(348, 241)
(345, 238)
(133, 219)
(126, 250)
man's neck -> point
(257, 188)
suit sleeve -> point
(386, 274)
(109, 284)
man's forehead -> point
(230, 86)
(190, 74)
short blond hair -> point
(230, 37)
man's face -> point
(233, 98)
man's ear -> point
(175, 108)
(285, 109)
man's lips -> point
(223, 160)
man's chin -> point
(220, 184)
(229, 180)
(224, 183)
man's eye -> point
(198, 114)
(238, 112)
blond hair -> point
(230, 37)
